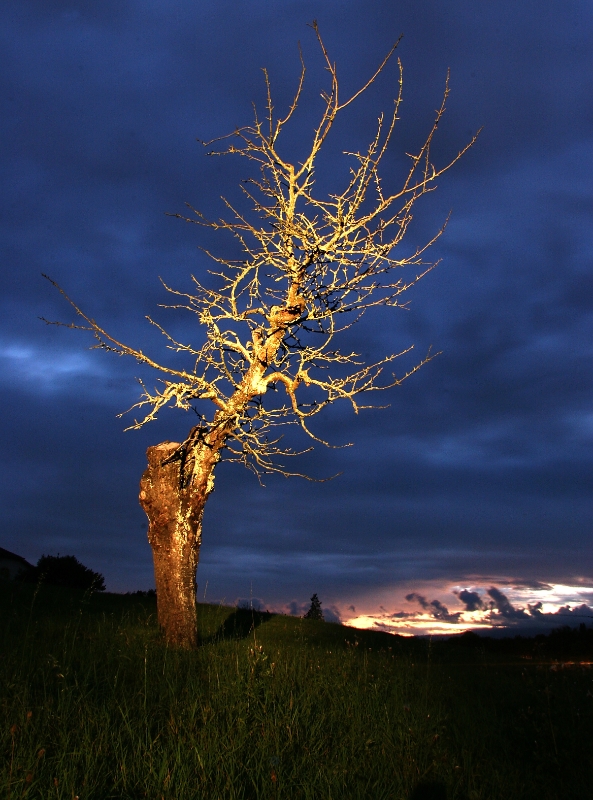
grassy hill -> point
(92, 705)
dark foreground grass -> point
(92, 705)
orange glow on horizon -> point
(528, 604)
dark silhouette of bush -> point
(65, 571)
(315, 611)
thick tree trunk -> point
(174, 504)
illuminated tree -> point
(311, 267)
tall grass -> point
(92, 705)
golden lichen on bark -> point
(311, 268)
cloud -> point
(529, 584)
(252, 603)
(45, 371)
(471, 600)
(440, 611)
(419, 598)
(582, 612)
(332, 614)
(483, 457)
(504, 606)
(434, 607)
(296, 609)
(530, 610)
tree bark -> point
(173, 494)
(179, 478)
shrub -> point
(65, 571)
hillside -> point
(92, 705)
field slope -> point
(92, 705)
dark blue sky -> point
(480, 471)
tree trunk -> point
(174, 504)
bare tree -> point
(310, 268)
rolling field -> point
(92, 705)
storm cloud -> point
(435, 608)
(479, 473)
(471, 600)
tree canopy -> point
(65, 571)
(311, 267)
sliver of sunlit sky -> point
(511, 607)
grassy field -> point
(92, 705)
